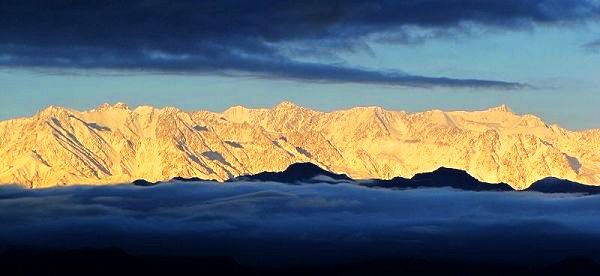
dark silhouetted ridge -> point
(144, 183)
(190, 179)
(553, 185)
(308, 173)
(297, 172)
(442, 177)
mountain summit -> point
(501, 108)
(297, 173)
(116, 144)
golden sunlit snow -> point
(114, 144)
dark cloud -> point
(270, 222)
(256, 38)
(593, 46)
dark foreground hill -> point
(553, 185)
(304, 173)
(308, 173)
(442, 177)
(298, 173)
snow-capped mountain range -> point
(116, 144)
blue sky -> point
(558, 76)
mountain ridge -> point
(297, 173)
(116, 144)
(309, 173)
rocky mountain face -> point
(116, 144)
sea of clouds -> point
(259, 223)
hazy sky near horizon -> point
(537, 56)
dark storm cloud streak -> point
(249, 37)
(117, 23)
(270, 69)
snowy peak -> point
(52, 111)
(113, 144)
(501, 108)
(286, 106)
(120, 105)
(107, 106)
